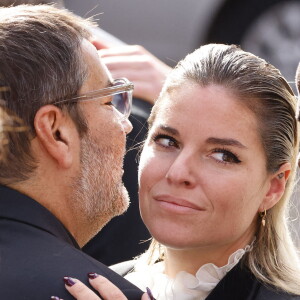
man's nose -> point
(127, 125)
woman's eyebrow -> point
(168, 129)
(225, 142)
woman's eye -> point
(225, 156)
(165, 141)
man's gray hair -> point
(41, 62)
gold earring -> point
(263, 218)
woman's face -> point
(202, 172)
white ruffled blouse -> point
(184, 286)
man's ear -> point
(55, 131)
(278, 181)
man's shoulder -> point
(36, 261)
(23, 245)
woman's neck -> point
(190, 260)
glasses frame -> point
(126, 86)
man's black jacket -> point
(36, 252)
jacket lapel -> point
(238, 284)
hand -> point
(146, 71)
(106, 289)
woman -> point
(216, 174)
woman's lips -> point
(169, 201)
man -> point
(61, 181)
(127, 231)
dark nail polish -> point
(69, 281)
(92, 275)
(149, 293)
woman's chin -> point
(175, 242)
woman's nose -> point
(182, 172)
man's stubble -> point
(99, 193)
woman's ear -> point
(276, 189)
(54, 131)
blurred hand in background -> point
(146, 71)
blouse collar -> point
(184, 286)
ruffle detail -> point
(184, 286)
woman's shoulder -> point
(240, 283)
(266, 292)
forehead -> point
(212, 97)
(212, 109)
(98, 75)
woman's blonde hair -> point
(262, 88)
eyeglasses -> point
(121, 90)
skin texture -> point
(99, 192)
(203, 178)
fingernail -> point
(149, 293)
(92, 275)
(69, 281)
(54, 298)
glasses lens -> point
(122, 102)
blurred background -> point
(172, 28)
